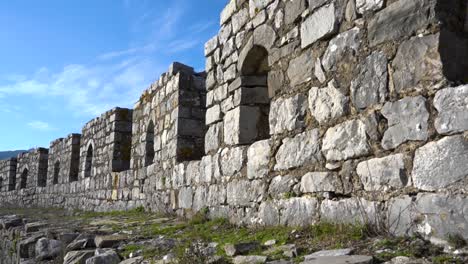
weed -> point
(456, 240)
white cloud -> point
(40, 125)
(90, 89)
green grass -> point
(443, 259)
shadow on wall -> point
(453, 42)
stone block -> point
(314, 182)
(264, 36)
(243, 125)
(213, 114)
(364, 6)
(185, 198)
(228, 11)
(293, 10)
(298, 151)
(318, 25)
(300, 69)
(300, 211)
(258, 158)
(244, 192)
(346, 140)
(452, 108)
(349, 211)
(441, 163)
(407, 120)
(327, 104)
(287, 114)
(247, 81)
(240, 19)
(251, 96)
(401, 18)
(281, 186)
(382, 174)
(346, 41)
(213, 137)
(417, 60)
(232, 160)
(370, 85)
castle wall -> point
(64, 160)
(7, 174)
(31, 169)
(328, 110)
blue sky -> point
(64, 62)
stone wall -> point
(8, 174)
(32, 169)
(64, 160)
(330, 110)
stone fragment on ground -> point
(241, 248)
(78, 257)
(249, 260)
(329, 253)
(109, 241)
(48, 248)
(355, 259)
(104, 256)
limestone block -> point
(211, 45)
(216, 195)
(230, 73)
(206, 169)
(318, 25)
(242, 125)
(193, 173)
(224, 33)
(353, 259)
(346, 140)
(232, 160)
(370, 85)
(251, 96)
(228, 11)
(300, 69)
(258, 157)
(256, 6)
(327, 104)
(244, 192)
(318, 71)
(299, 211)
(401, 18)
(452, 107)
(314, 4)
(213, 137)
(258, 20)
(185, 198)
(240, 19)
(313, 182)
(200, 198)
(303, 149)
(417, 60)
(407, 120)
(178, 176)
(293, 10)
(399, 215)
(441, 163)
(268, 213)
(348, 40)
(364, 6)
(280, 186)
(264, 36)
(213, 114)
(381, 174)
(287, 114)
(442, 214)
(351, 211)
